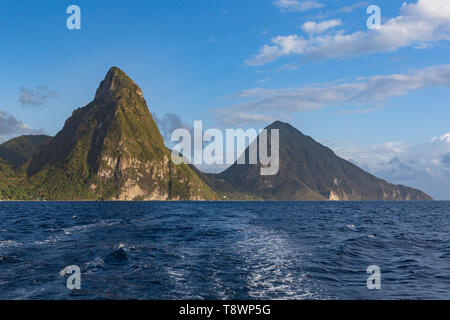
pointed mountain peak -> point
(112, 149)
(286, 127)
(116, 84)
(277, 125)
(308, 171)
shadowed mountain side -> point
(308, 171)
(19, 150)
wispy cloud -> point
(264, 80)
(418, 25)
(444, 137)
(352, 7)
(36, 97)
(237, 119)
(374, 91)
(297, 5)
(288, 67)
(358, 111)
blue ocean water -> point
(225, 250)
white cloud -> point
(425, 166)
(444, 137)
(297, 5)
(373, 91)
(281, 46)
(312, 27)
(11, 127)
(419, 24)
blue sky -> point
(377, 97)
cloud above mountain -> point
(263, 104)
(10, 127)
(425, 166)
(169, 123)
(419, 25)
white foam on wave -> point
(9, 244)
(271, 262)
(219, 287)
(176, 275)
(90, 226)
(180, 277)
(125, 247)
(66, 232)
(94, 264)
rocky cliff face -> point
(112, 149)
(308, 171)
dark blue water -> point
(244, 250)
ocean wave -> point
(9, 244)
(90, 226)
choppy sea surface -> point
(225, 250)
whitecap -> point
(9, 243)
(87, 227)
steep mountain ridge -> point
(112, 149)
(308, 171)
